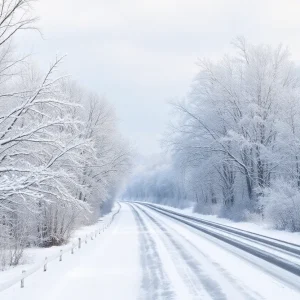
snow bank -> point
(259, 227)
(34, 258)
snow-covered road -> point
(147, 255)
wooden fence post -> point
(45, 264)
(79, 243)
(22, 280)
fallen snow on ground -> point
(145, 255)
(221, 270)
(106, 268)
(36, 256)
(259, 228)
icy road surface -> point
(146, 255)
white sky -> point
(142, 53)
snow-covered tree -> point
(237, 131)
(61, 154)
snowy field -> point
(146, 255)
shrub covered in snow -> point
(281, 206)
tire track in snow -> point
(188, 277)
(249, 295)
(155, 282)
(211, 286)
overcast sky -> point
(142, 53)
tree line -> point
(235, 138)
(62, 157)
